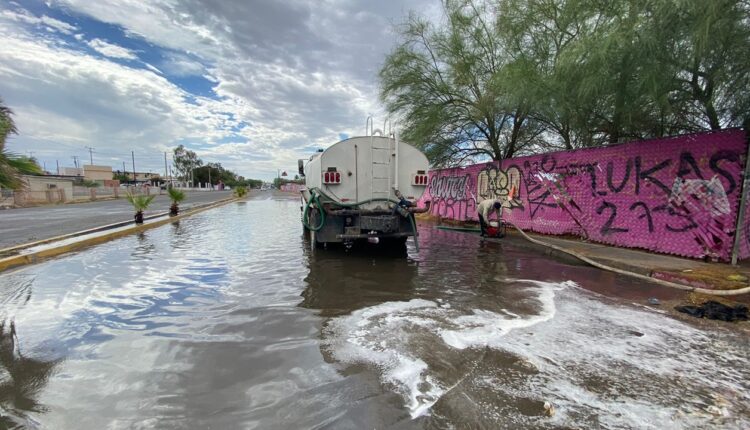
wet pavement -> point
(228, 319)
(22, 225)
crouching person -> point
(485, 209)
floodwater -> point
(229, 319)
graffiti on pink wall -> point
(675, 195)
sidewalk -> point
(695, 273)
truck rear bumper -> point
(378, 235)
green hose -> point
(314, 199)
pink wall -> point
(293, 188)
(676, 195)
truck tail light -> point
(420, 180)
(332, 177)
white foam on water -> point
(379, 335)
(599, 362)
(653, 371)
(486, 328)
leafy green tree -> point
(706, 46)
(505, 77)
(12, 166)
(447, 84)
(185, 161)
(122, 177)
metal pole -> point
(210, 184)
(58, 167)
(91, 154)
(135, 178)
(743, 203)
(165, 167)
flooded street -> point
(228, 319)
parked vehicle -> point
(363, 189)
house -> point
(45, 189)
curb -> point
(44, 254)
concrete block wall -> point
(678, 195)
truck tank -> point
(363, 189)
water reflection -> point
(22, 378)
(144, 249)
(341, 281)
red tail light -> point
(420, 180)
(331, 178)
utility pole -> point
(135, 180)
(75, 161)
(209, 178)
(91, 154)
(165, 167)
(58, 167)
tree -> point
(707, 48)
(12, 166)
(507, 77)
(447, 85)
(122, 177)
(185, 161)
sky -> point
(251, 84)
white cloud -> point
(65, 99)
(110, 50)
(25, 17)
(153, 69)
(297, 72)
(182, 65)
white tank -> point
(367, 170)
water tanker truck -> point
(363, 189)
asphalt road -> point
(23, 225)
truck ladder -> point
(381, 170)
